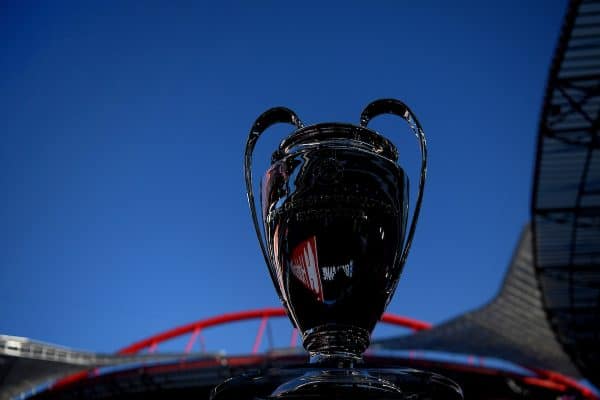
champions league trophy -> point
(335, 216)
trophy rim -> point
(338, 131)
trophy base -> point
(339, 383)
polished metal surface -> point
(366, 383)
(335, 216)
(334, 211)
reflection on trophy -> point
(334, 212)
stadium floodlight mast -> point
(335, 235)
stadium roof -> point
(566, 192)
(547, 313)
(512, 326)
(26, 363)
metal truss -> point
(566, 192)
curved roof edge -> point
(512, 326)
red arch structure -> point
(540, 378)
(195, 328)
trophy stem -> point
(338, 346)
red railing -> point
(195, 328)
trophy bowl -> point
(333, 228)
(334, 206)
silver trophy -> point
(334, 209)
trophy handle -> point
(265, 120)
(396, 107)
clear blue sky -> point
(123, 209)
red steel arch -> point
(264, 313)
